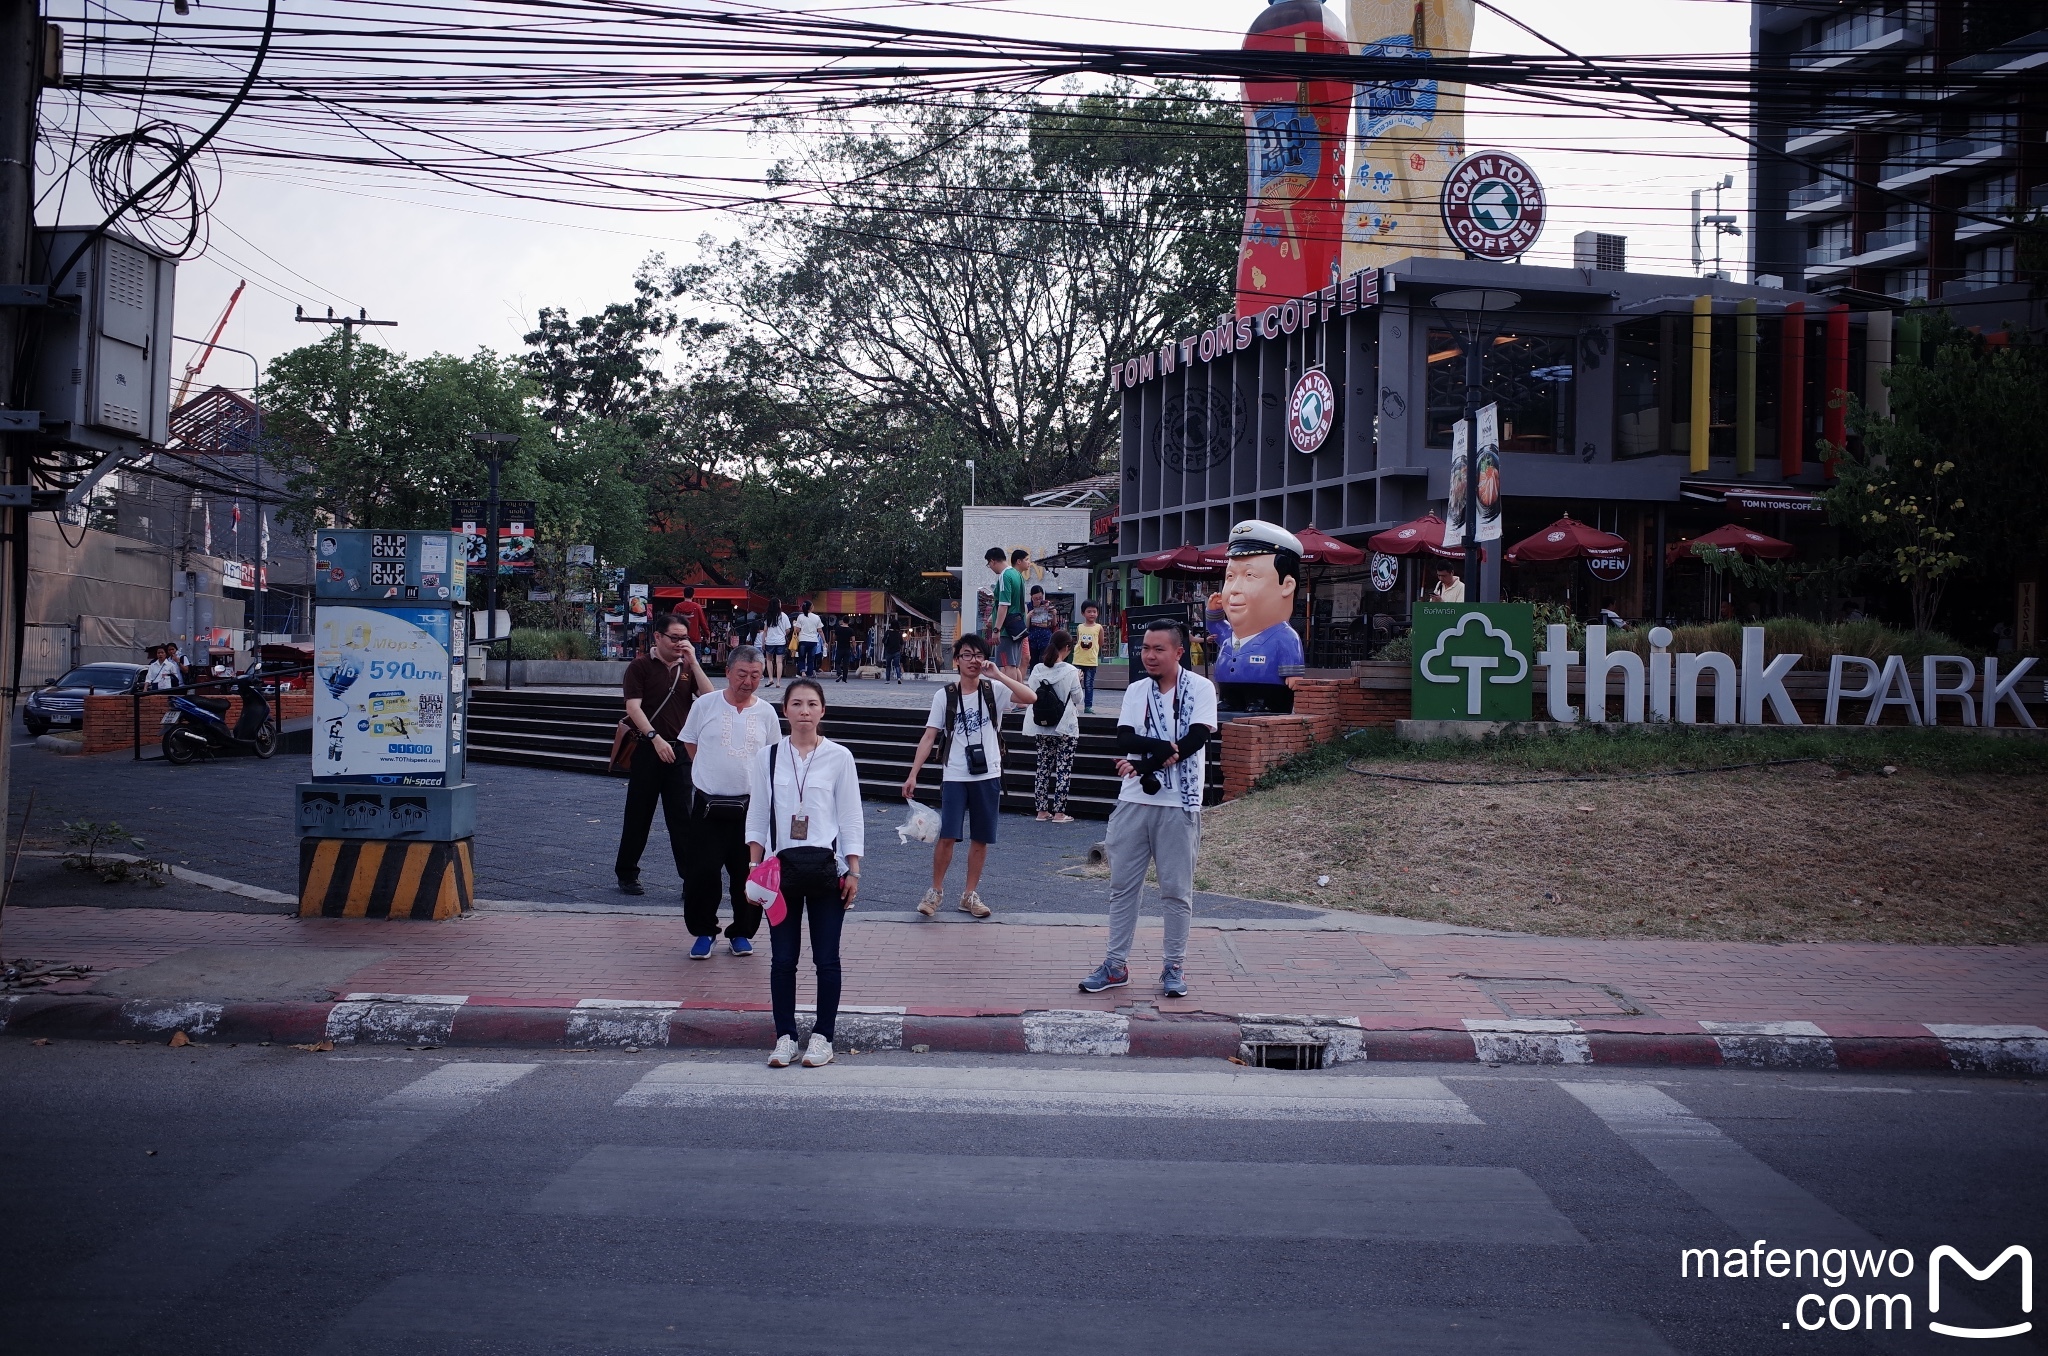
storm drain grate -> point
(1282, 1054)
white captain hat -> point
(1257, 537)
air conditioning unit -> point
(103, 367)
(1607, 253)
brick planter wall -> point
(110, 720)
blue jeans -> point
(1088, 686)
(807, 657)
(813, 890)
(893, 669)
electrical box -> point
(372, 566)
(103, 369)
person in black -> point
(892, 649)
(845, 638)
(659, 689)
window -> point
(1639, 378)
(1907, 284)
(1528, 375)
(1996, 194)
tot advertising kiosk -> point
(385, 824)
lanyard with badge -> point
(799, 774)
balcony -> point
(1895, 237)
(1827, 195)
(1976, 282)
(1851, 43)
(2010, 58)
(1803, 140)
(1963, 152)
(1828, 258)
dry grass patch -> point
(1798, 853)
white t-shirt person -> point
(809, 626)
(775, 634)
(727, 739)
(1152, 719)
(973, 723)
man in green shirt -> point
(1008, 625)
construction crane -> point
(193, 368)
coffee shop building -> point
(1594, 370)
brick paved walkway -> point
(543, 959)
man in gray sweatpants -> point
(1168, 717)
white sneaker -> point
(817, 1056)
(785, 1053)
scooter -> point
(195, 726)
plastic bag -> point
(921, 827)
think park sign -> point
(1473, 661)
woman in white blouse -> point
(804, 806)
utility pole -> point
(25, 63)
(493, 448)
(349, 325)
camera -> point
(1150, 783)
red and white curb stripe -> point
(619, 1023)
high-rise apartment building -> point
(1905, 176)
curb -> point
(620, 1023)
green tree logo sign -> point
(1472, 661)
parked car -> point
(61, 701)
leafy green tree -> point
(1950, 482)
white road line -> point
(1156, 1198)
(1751, 1197)
(107, 1300)
(1237, 1094)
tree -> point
(1950, 481)
(965, 279)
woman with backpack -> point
(1055, 722)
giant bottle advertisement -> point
(1294, 133)
(1406, 134)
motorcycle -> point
(195, 726)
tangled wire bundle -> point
(173, 214)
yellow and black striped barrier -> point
(371, 878)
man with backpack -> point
(967, 714)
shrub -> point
(531, 643)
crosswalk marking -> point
(495, 1312)
(1236, 1199)
(115, 1295)
(1751, 1197)
(1222, 1094)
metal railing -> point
(1808, 194)
(267, 681)
(1820, 256)
(1891, 237)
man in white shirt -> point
(722, 735)
(1449, 588)
(1167, 718)
(810, 635)
(968, 714)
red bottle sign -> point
(1294, 134)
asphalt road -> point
(265, 1200)
(544, 839)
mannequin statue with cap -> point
(1262, 574)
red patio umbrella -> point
(1182, 562)
(1733, 537)
(1424, 534)
(1568, 539)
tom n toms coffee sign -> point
(1358, 292)
(1476, 661)
(1493, 205)
(1311, 411)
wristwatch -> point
(650, 736)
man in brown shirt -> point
(659, 689)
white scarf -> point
(1156, 718)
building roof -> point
(1087, 493)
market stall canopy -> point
(862, 603)
(1568, 539)
(1182, 562)
(745, 599)
(1732, 537)
(1425, 535)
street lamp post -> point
(494, 448)
(970, 482)
(1472, 305)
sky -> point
(458, 272)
